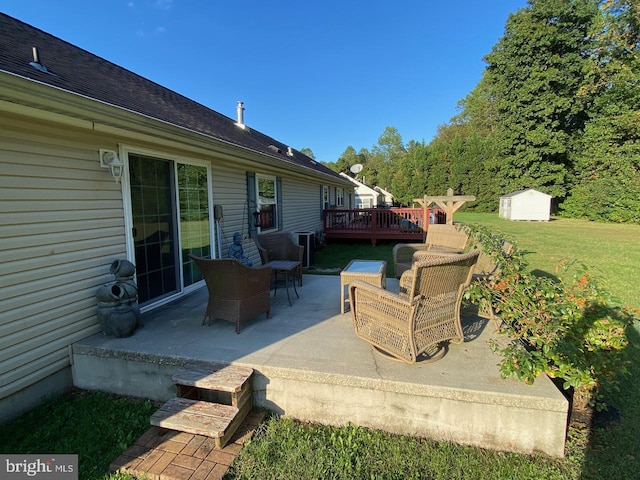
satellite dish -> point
(356, 168)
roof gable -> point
(360, 185)
(528, 190)
(383, 191)
(75, 70)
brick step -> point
(200, 418)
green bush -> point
(569, 329)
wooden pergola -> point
(449, 203)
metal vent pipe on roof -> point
(240, 110)
(36, 61)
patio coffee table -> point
(370, 271)
(286, 267)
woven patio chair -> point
(280, 246)
(237, 293)
(440, 238)
(421, 319)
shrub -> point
(569, 329)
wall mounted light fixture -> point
(109, 159)
(256, 219)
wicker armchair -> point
(422, 317)
(237, 293)
(440, 238)
(280, 246)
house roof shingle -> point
(77, 71)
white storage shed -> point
(526, 205)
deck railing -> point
(403, 224)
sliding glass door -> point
(170, 220)
(195, 224)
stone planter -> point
(122, 269)
(118, 311)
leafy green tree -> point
(534, 74)
(462, 153)
(410, 174)
(608, 165)
(348, 159)
(557, 109)
(308, 152)
(389, 145)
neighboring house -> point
(98, 164)
(369, 197)
(525, 205)
(386, 198)
(337, 197)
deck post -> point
(374, 227)
(426, 221)
(449, 203)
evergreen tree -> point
(608, 165)
(348, 158)
(411, 173)
(534, 74)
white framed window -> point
(267, 200)
(325, 197)
(340, 197)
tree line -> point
(557, 109)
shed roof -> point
(520, 192)
(72, 69)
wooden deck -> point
(401, 224)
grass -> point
(610, 251)
(99, 427)
(95, 425)
(285, 449)
(335, 256)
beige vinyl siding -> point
(301, 205)
(230, 192)
(61, 226)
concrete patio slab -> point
(310, 365)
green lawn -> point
(610, 251)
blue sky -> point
(317, 74)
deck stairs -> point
(211, 400)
